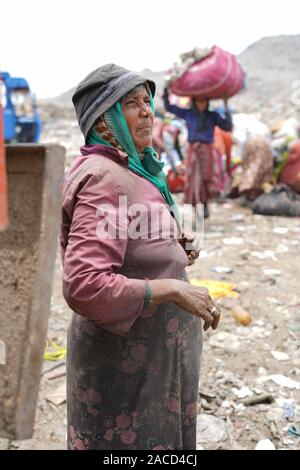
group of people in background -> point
(200, 141)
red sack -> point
(176, 182)
(217, 75)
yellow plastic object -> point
(267, 187)
(217, 289)
(57, 353)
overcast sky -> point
(55, 43)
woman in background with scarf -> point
(290, 174)
(135, 339)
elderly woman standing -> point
(134, 342)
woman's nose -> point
(145, 110)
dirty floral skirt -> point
(137, 391)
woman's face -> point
(201, 104)
(294, 152)
(136, 107)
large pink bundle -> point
(217, 75)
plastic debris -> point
(217, 289)
(284, 381)
(50, 368)
(272, 272)
(282, 248)
(242, 392)
(265, 444)
(58, 396)
(245, 228)
(222, 269)
(241, 315)
(237, 218)
(294, 430)
(256, 400)
(281, 230)
(288, 410)
(226, 341)
(280, 356)
(264, 254)
(210, 429)
(57, 353)
(233, 241)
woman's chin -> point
(142, 145)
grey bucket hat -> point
(101, 89)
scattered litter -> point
(242, 392)
(237, 218)
(224, 340)
(295, 327)
(210, 429)
(222, 269)
(58, 396)
(239, 407)
(281, 249)
(56, 375)
(265, 444)
(256, 400)
(57, 353)
(272, 272)
(245, 254)
(280, 356)
(294, 430)
(241, 315)
(233, 241)
(217, 289)
(53, 366)
(208, 396)
(264, 254)
(281, 230)
(262, 372)
(245, 228)
(288, 411)
(284, 381)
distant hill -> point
(272, 65)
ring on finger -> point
(214, 310)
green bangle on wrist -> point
(147, 297)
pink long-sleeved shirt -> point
(104, 279)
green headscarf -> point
(149, 167)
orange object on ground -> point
(241, 315)
(3, 180)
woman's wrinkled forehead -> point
(137, 90)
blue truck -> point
(21, 119)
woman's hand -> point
(191, 245)
(197, 301)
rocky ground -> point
(250, 381)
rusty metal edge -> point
(38, 322)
